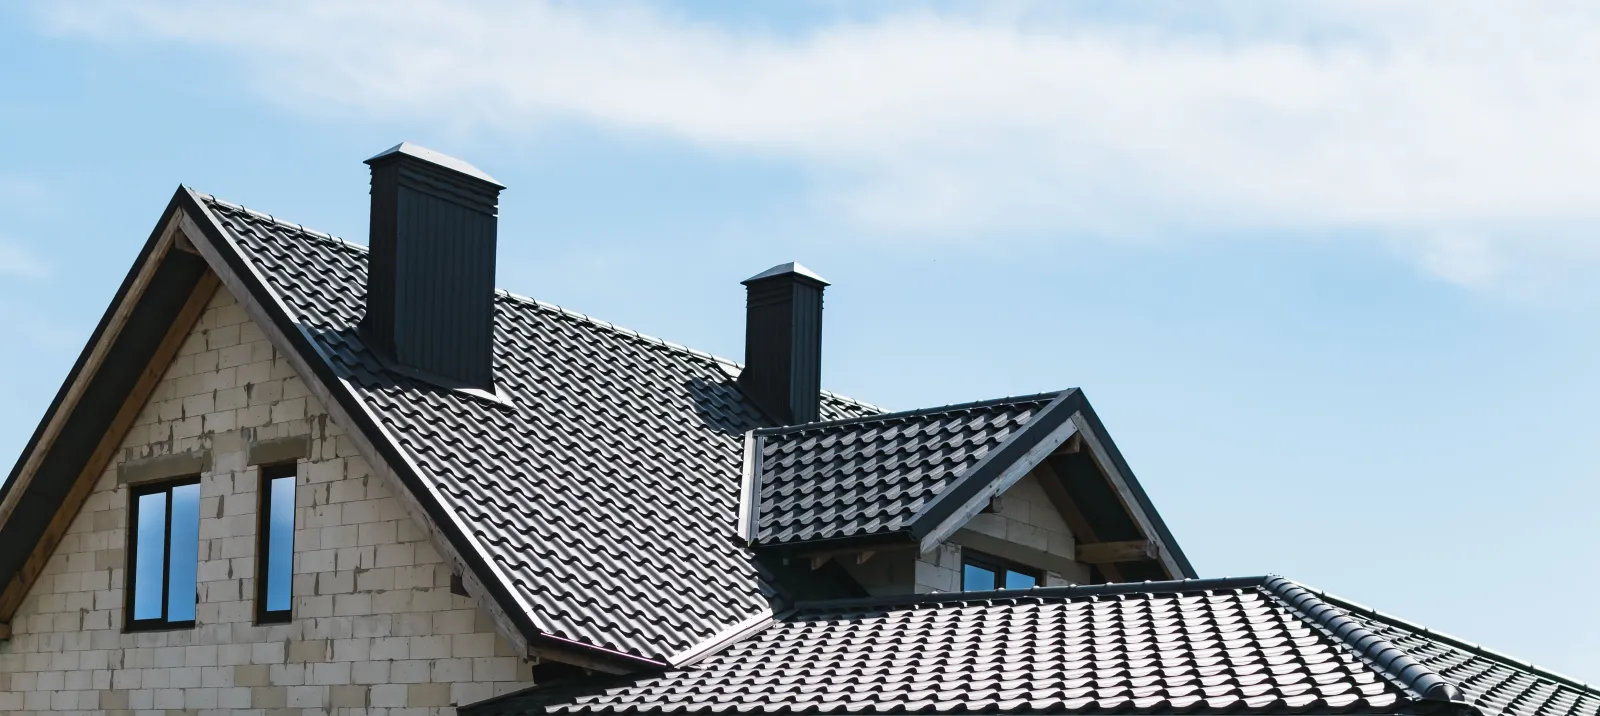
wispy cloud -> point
(1416, 125)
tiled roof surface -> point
(1262, 645)
(872, 475)
(606, 491)
(1497, 685)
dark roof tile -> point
(606, 489)
(872, 475)
(1208, 646)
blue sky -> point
(1323, 270)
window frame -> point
(999, 566)
(129, 623)
(267, 474)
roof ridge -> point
(519, 298)
(916, 412)
(1393, 661)
(1455, 641)
(301, 228)
(1173, 586)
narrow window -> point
(165, 555)
(275, 546)
(982, 572)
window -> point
(275, 545)
(981, 572)
(164, 555)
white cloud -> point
(1405, 123)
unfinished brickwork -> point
(376, 629)
(1026, 528)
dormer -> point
(1011, 493)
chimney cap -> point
(793, 267)
(439, 158)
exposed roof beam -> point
(1139, 550)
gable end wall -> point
(376, 630)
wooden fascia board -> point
(1130, 503)
(483, 579)
(1068, 509)
(93, 354)
(17, 589)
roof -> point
(1222, 646)
(873, 475)
(604, 487)
(591, 499)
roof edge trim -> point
(87, 363)
(932, 523)
(1388, 658)
(749, 490)
(727, 637)
(1115, 467)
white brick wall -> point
(376, 630)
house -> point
(293, 475)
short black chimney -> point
(783, 342)
(430, 273)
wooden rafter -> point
(1081, 531)
(11, 598)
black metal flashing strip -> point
(265, 299)
(1044, 423)
(88, 348)
(1388, 658)
(85, 418)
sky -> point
(1325, 270)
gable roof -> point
(917, 476)
(590, 502)
(874, 476)
(1221, 646)
(601, 489)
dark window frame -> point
(269, 473)
(129, 623)
(999, 566)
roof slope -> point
(1252, 645)
(872, 475)
(604, 486)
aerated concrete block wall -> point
(376, 629)
(1027, 528)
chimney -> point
(430, 273)
(783, 342)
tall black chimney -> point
(783, 342)
(430, 273)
